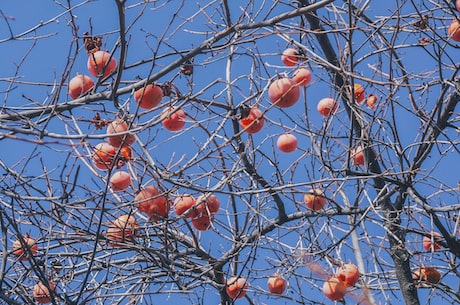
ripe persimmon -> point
(284, 92)
(287, 142)
(254, 122)
(432, 245)
(101, 62)
(302, 77)
(41, 293)
(23, 253)
(427, 274)
(357, 156)
(184, 203)
(123, 229)
(148, 96)
(152, 203)
(371, 101)
(120, 181)
(454, 30)
(207, 204)
(173, 119)
(315, 199)
(348, 274)
(276, 284)
(359, 93)
(327, 106)
(334, 289)
(290, 56)
(202, 222)
(104, 155)
(79, 85)
(236, 287)
(119, 126)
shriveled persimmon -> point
(327, 106)
(101, 63)
(284, 92)
(119, 126)
(122, 230)
(315, 199)
(348, 274)
(277, 284)
(427, 274)
(287, 142)
(173, 119)
(79, 85)
(23, 253)
(254, 122)
(237, 287)
(371, 101)
(149, 96)
(151, 202)
(120, 181)
(41, 292)
(334, 289)
(359, 93)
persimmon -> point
(290, 57)
(430, 242)
(327, 106)
(276, 284)
(457, 5)
(254, 122)
(120, 181)
(348, 274)
(184, 203)
(284, 92)
(359, 93)
(79, 85)
(427, 274)
(24, 253)
(202, 222)
(207, 204)
(371, 101)
(152, 203)
(454, 30)
(302, 77)
(104, 155)
(149, 96)
(287, 142)
(315, 199)
(41, 293)
(334, 289)
(357, 156)
(236, 287)
(173, 118)
(119, 126)
(123, 229)
(101, 63)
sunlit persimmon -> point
(183, 206)
(348, 274)
(327, 106)
(276, 284)
(254, 122)
(427, 274)
(359, 93)
(101, 63)
(23, 253)
(290, 57)
(120, 181)
(454, 30)
(315, 199)
(104, 155)
(287, 142)
(334, 289)
(122, 230)
(41, 292)
(457, 5)
(207, 204)
(119, 126)
(202, 222)
(152, 203)
(173, 119)
(79, 85)
(284, 92)
(149, 96)
(302, 77)
(357, 156)
(431, 243)
(371, 101)
(237, 287)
